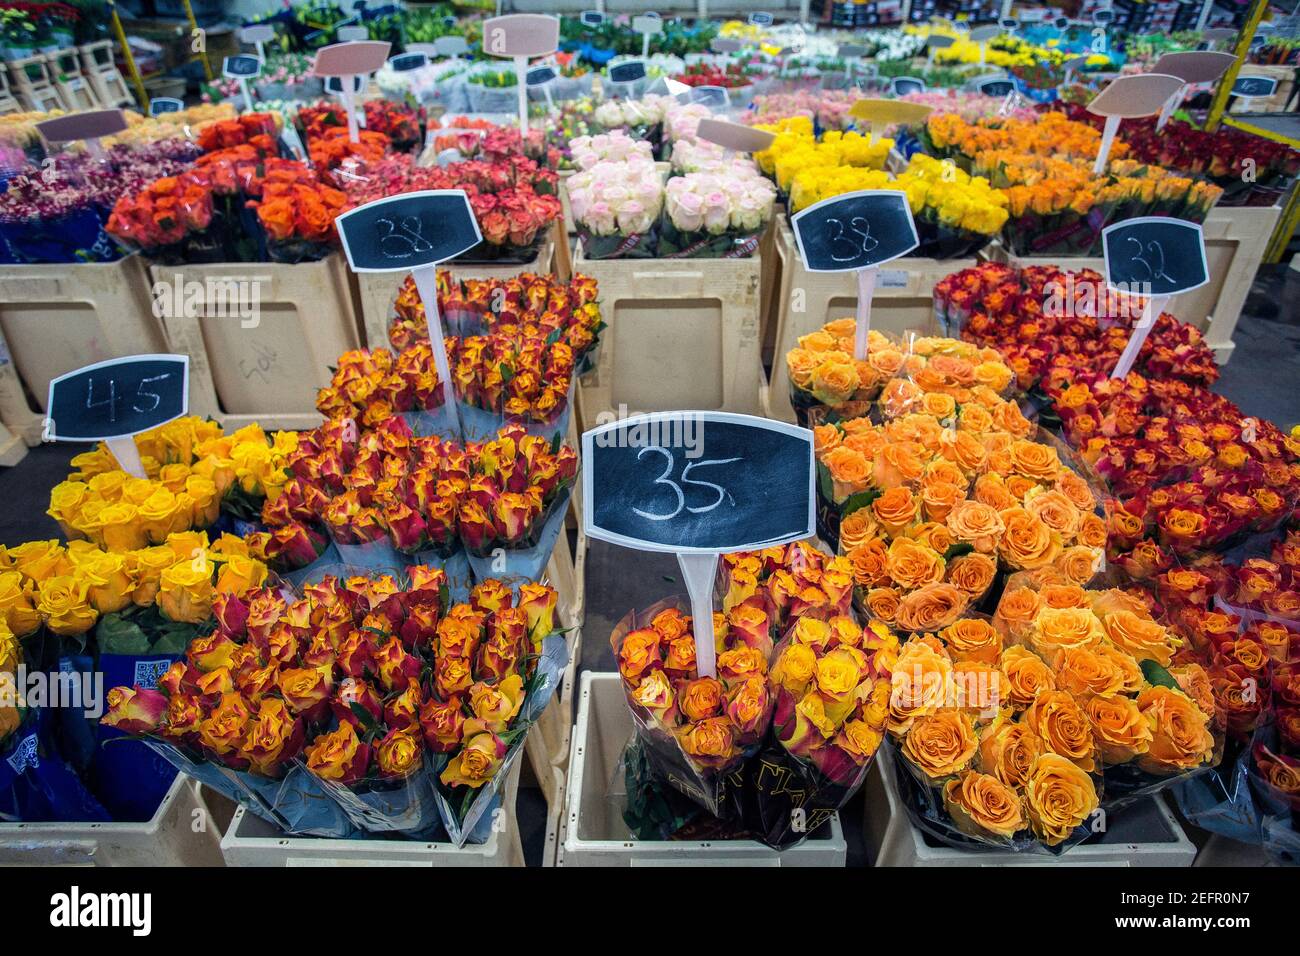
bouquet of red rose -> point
(254, 128)
(513, 375)
(298, 218)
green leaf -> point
(863, 499)
(367, 719)
(1157, 675)
(958, 549)
(118, 635)
(824, 484)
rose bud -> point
(307, 690)
(420, 626)
(477, 762)
(491, 595)
(404, 709)
(296, 545)
(442, 724)
(319, 654)
(476, 528)
(538, 602)
(282, 644)
(498, 658)
(274, 737)
(513, 515)
(323, 594)
(750, 623)
(427, 582)
(231, 613)
(458, 637)
(394, 666)
(356, 655)
(709, 743)
(679, 659)
(225, 727)
(333, 623)
(211, 651)
(339, 756)
(440, 520)
(215, 683)
(406, 528)
(566, 460)
(254, 683)
(482, 491)
(801, 726)
(451, 675)
(180, 678)
(495, 706)
(351, 694)
(399, 754)
(264, 610)
(134, 711)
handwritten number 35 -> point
(664, 479)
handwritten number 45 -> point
(664, 479)
(145, 401)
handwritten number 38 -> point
(856, 240)
(664, 479)
(401, 239)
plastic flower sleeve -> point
(525, 561)
(467, 811)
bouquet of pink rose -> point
(616, 207)
(715, 215)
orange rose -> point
(992, 490)
(972, 639)
(930, 608)
(895, 509)
(869, 562)
(1119, 728)
(883, 604)
(1085, 674)
(1181, 737)
(982, 805)
(857, 529)
(1080, 563)
(1027, 675)
(1039, 462)
(850, 472)
(1063, 727)
(1027, 542)
(1059, 797)
(1055, 510)
(911, 565)
(1140, 636)
(939, 498)
(972, 573)
(920, 684)
(977, 524)
(1009, 751)
(1056, 629)
(942, 743)
(1092, 531)
(1017, 610)
(1065, 595)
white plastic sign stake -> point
(1155, 256)
(879, 114)
(352, 34)
(259, 34)
(114, 400)
(88, 127)
(735, 137)
(348, 62)
(647, 25)
(1192, 67)
(1129, 97)
(856, 232)
(413, 232)
(519, 36)
(741, 484)
(982, 35)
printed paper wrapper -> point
(466, 812)
(36, 784)
(675, 244)
(311, 573)
(373, 555)
(643, 245)
(519, 565)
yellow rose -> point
(161, 515)
(122, 528)
(65, 606)
(109, 579)
(794, 668)
(146, 566)
(66, 499)
(238, 574)
(207, 504)
(185, 591)
(39, 560)
(1059, 797)
(18, 603)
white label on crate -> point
(686, 859)
(24, 755)
(352, 861)
(27, 290)
(891, 279)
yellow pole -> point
(203, 52)
(1219, 105)
(130, 60)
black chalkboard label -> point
(628, 72)
(1009, 23)
(591, 18)
(539, 75)
(1254, 86)
(855, 231)
(903, 85)
(165, 104)
(1061, 23)
(242, 66)
(408, 61)
(118, 397)
(995, 86)
(698, 482)
(405, 232)
(714, 97)
(1103, 16)
(760, 19)
(1155, 255)
(334, 84)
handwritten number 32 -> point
(664, 479)
(1153, 249)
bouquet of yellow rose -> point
(195, 473)
(797, 150)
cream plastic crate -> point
(682, 334)
(57, 318)
(1235, 240)
(903, 302)
(1144, 834)
(269, 372)
(12, 448)
(181, 833)
(251, 841)
(377, 291)
(594, 832)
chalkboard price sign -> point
(903, 85)
(855, 231)
(1103, 17)
(994, 85)
(165, 104)
(1155, 255)
(714, 97)
(1254, 86)
(1010, 24)
(698, 482)
(241, 67)
(118, 398)
(760, 19)
(541, 75)
(628, 72)
(408, 61)
(591, 18)
(1061, 23)
(408, 231)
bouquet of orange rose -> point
(1010, 731)
(825, 378)
(742, 743)
(357, 705)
